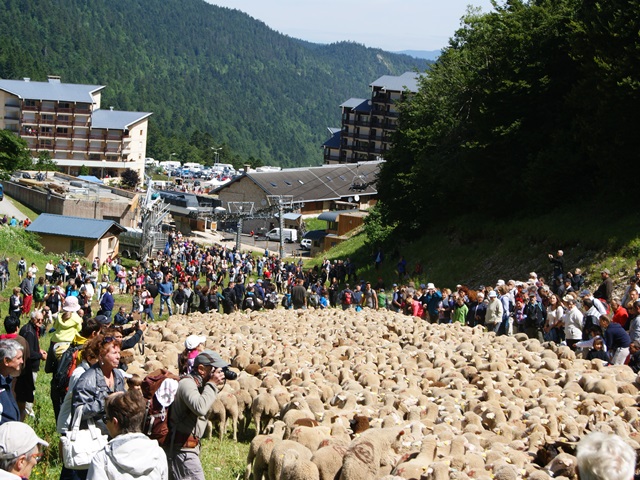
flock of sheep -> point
(377, 395)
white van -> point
(290, 235)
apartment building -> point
(67, 121)
(367, 124)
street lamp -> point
(216, 152)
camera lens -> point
(229, 375)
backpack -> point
(38, 293)
(66, 365)
(156, 417)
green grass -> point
(24, 209)
(315, 224)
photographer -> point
(195, 396)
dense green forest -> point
(212, 76)
(532, 107)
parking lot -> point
(260, 244)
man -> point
(19, 450)
(187, 421)
(10, 367)
(431, 301)
(107, 303)
(165, 289)
(299, 295)
(346, 297)
(616, 339)
(357, 295)
(26, 383)
(26, 289)
(605, 290)
(369, 297)
(493, 316)
(229, 299)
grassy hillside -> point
(472, 250)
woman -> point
(193, 345)
(147, 303)
(39, 292)
(97, 383)
(553, 327)
(130, 454)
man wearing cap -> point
(493, 317)
(605, 290)
(187, 422)
(11, 361)
(431, 300)
(19, 450)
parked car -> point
(305, 243)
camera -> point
(229, 374)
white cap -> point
(431, 286)
(500, 283)
(193, 341)
(17, 438)
(493, 294)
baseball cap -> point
(193, 341)
(103, 320)
(209, 358)
(17, 438)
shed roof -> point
(76, 227)
(116, 119)
(52, 90)
(334, 141)
(357, 104)
(333, 215)
(309, 184)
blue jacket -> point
(10, 411)
(165, 289)
(107, 302)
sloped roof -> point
(309, 184)
(116, 119)
(77, 227)
(334, 141)
(357, 104)
(53, 90)
(333, 215)
(406, 81)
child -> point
(134, 382)
(193, 345)
(598, 351)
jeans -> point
(166, 300)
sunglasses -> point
(109, 339)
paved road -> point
(7, 207)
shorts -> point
(185, 466)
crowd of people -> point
(91, 325)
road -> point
(291, 249)
(9, 209)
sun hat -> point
(17, 438)
(493, 294)
(431, 286)
(71, 304)
(209, 358)
(193, 341)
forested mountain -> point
(211, 75)
(532, 107)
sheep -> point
(329, 459)
(296, 468)
(277, 456)
(366, 454)
(256, 443)
(264, 405)
(310, 437)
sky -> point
(391, 25)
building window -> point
(77, 246)
(62, 130)
(111, 243)
(47, 118)
(29, 103)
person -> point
(552, 329)
(603, 456)
(180, 300)
(39, 293)
(620, 314)
(130, 454)
(572, 321)
(121, 318)
(477, 310)
(616, 339)
(369, 297)
(431, 301)
(26, 289)
(493, 315)
(102, 379)
(299, 295)
(634, 357)
(598, 351)
(15, 303)
(187, 419)
(165, 289)
(19, 450)
(11, 353)
(346, 297)
(229, 298)
(460, 311)
(193, 346)
(605, 290)
(107, 303)
(26, 383)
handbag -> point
(79, 446)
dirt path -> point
(7, 207)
